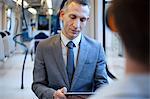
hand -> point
(59, 94)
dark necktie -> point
(70, 61)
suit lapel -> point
(83, 52)
(57, 51)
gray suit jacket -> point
(50, 74)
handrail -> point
(26, 52)
(110, 74)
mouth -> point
(75, 31)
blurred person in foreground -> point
(54, 74)
(130, 19)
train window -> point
(43, 22)
(9, 11)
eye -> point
(83, 19)
(72, 16)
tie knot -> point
(70, 45)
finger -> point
(57, 94)
(60, 93)
(64, 90)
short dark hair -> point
(132, 22)
(82, 2)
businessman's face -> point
(74, 18)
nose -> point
(76, 23)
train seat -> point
(2, 55)
(6, 44)
(10, 41)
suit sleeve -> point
(100, 78)
(40, 82)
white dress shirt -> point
(64, 42)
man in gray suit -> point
(50, 76)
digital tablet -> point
(79, 93)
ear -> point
(61, 14)
(112, 24)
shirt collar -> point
(65, 40)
